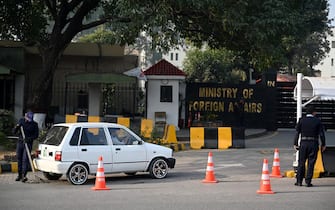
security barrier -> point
(71, 118)
(146, 127)
(170, 138)
(124, 121)
(83, 118)
(328, 157)
(94, 119)
(324, 165)
(9, 167)
(216, 138)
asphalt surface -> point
(238, 172)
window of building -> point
(176, 56)
(171, 56)
(82, 99)
(166, 94)
(333, 44)
(332, 62)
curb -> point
(178, 147)
(9, 167)
(261, 134)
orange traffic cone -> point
(276, 165)
(265, 186)
(100, 183)
(210, 177)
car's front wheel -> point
(51, 176)
(158, 168)
(77, 174)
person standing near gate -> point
(30, 129)
(309, 128)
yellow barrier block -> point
(319, 163)
(174, 147)
(318, 167)
(146, 127)
(171, 136)
(225, 137)
(166, 128)
(93, 119)
(197, 138)
(181, 147)
(124, 121)
(70, 118)
(14, 167)
(289, 174)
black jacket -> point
(30, 130)
(310, 126)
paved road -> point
(238, 172)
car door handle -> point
(84, 150)
(118, 149)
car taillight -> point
(58, 156)
(37, 153)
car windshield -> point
(55, 135)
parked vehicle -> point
(73, 149)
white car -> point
(74, 149)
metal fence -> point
(117, 99)
(287, 107)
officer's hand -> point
(296, 147)
(323, 148)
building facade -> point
(89, 78)
(327, 65)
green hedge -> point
(7, 121)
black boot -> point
(19, 177)
(24, 178)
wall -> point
(178, 56)
(75, 65)
(218, 103)
(154, 104)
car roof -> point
(89, 124)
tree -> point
(214, 66)
(255, 28)
(51, 25)
(304, 56)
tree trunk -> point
(40, 98)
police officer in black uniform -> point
(309, 128)
(30, 129)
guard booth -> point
(307, 90)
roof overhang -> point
(171, 77)
(100, 78)
(319, 88)
(6, 70)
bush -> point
(8, 144)
(7, 121)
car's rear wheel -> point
(52, 176)
(158, 168)
(77, 174)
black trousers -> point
(22, 158)
(308, 150)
